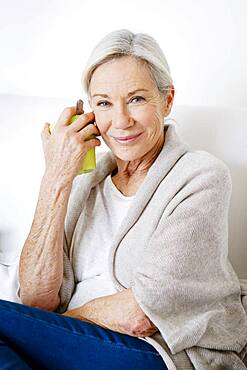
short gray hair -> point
(141, 46)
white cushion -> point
(9, 278)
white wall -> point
(44, 44)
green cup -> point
(89, 161)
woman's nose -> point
(121, 118)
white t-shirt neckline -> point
(116, 191)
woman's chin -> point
(125, 152)
(125, 155)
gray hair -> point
(141, 46)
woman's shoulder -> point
(189, 161)
(205, 168)
(203, 161)
(194, 158)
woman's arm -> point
(41, 262)
(119, 312)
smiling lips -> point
(127, 139)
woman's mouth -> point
(127, 139)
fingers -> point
(88, 131)
(82, 121)
(66, 116)
(81, 127)
(69, 112)
(92, 143)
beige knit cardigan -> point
(172, 249)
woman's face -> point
(129, 110)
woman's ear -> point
(169, 97)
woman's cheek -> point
(101, 123)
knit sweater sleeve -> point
(68, 284)
(75, 206)
(184, 280)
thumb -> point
(46, 133)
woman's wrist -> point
(52, 180)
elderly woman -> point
(132, 257)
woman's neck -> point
(138, 168)
(129, 175)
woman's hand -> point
(119, 312)
(135, 322)
(67, 145)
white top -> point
(103, 214)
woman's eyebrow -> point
(129, 94)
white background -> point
(45, 44)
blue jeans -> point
(31, 338)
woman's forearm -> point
(41, 261)
(119, 312)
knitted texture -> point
(172, 250)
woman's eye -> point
(135, 99)
(102, 104)
(139, 98)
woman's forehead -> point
(123, 74)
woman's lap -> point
(47, 340)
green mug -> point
(89, 161)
